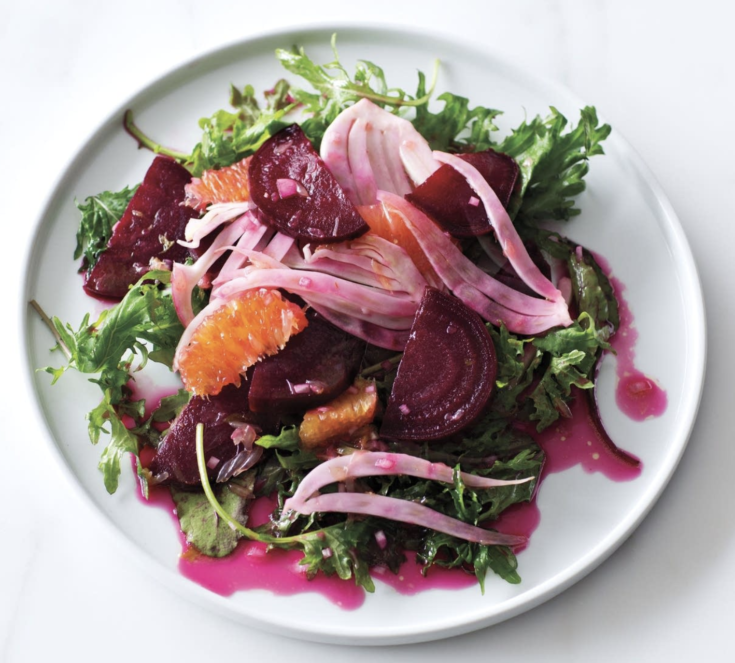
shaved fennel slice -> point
(418, 160)
(382, 463)
(185, 277)
(392, 508)
(493, 300)
(366, 463)
(279, 246)
(216, 216)
(371, 304)
(385, 264)
(505, 231)
(362, 149)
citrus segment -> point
(251, 325)
(341, 417)
(386, 222)
(225, 185)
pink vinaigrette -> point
(637, 395)
(568, 442)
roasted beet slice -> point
(149, 228)
(176, 459)
(446, 375)
(448, 199)
(292, 185)
(314, 368)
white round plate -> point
(584, 517)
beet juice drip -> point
(637, 395)
(279, 571)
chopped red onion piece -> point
(404, 409)
(385, 464)
(326, 553)
(212, 462)
(244, 434)
(288, 188)
(282, 147)
(380, 539)
(474, 201)
(316, 386)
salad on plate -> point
(370, 323)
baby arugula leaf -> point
(99, 214)
(336, 552)
(449, 552)
(107, 349)
(146, 313)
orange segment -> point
(341, 417)
(248, 327)
(387, 223)
(225, 185)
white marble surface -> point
(660, 72)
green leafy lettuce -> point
(203, 528)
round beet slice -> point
(446, 375)
(450, 201)
(292, 185)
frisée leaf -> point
(553, 163)
(99, 214)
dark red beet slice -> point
(176, 455)
(149, 228)
(445, 196)
(323, 213)
(314, 368)
(446, 375)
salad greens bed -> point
(535, 379)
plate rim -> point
(668, 222)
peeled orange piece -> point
(341, 417)
(224, 185)
(252, 325)
(387, 223)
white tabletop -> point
(659, 72)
